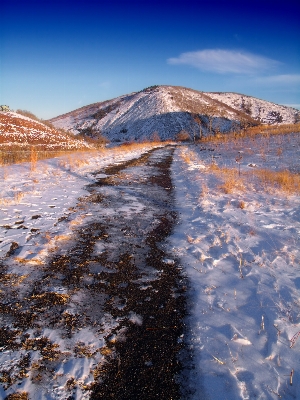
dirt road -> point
(145, 287)
(119, 267)
(103, 317)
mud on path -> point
(114, 284)
(145, 287)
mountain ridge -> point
(166, 110)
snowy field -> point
(237, 240)
(241, 251)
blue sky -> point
(57, 56)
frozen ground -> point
(240, 251)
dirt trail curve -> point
(120, 268)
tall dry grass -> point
(231, 179)
(285, 181)
(263, 130)
(14, 154)
(263, 179)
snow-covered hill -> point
(17, 129)
(261, 110)
(166, 110)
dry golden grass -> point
(189, 156)
(18, 196)
(18, 396)
(15, 154)
(50, 298)
(60, 238)
(76, 160)
(105, 351)
(129, 147)
(285, 181)
(263, 130)
(33, 159)
(271, 181)
(241, 205)
(231, 180)
(33, 261)
(77, 221)
(12, 279)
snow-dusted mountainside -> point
(166, 110)
(261, 110)
(16, 129)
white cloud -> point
(225, 61)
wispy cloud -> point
(225, 61)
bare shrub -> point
(241, 205)
(27, 114)
(183, 136)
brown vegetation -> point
(283, 180)
(31, 140)
(183, 136)
(232, 181)
(263, 130)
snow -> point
(266, 112)
(18, 130)
(243, 266)
(39, 212)
(167, 110)
(239, 250)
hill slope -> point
(16, 129)
(165, 110)
(261, 110)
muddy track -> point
(145, 362)
(119, 282)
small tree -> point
(4, 108)
(183, 136)
(198, 122)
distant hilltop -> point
(164, 111)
